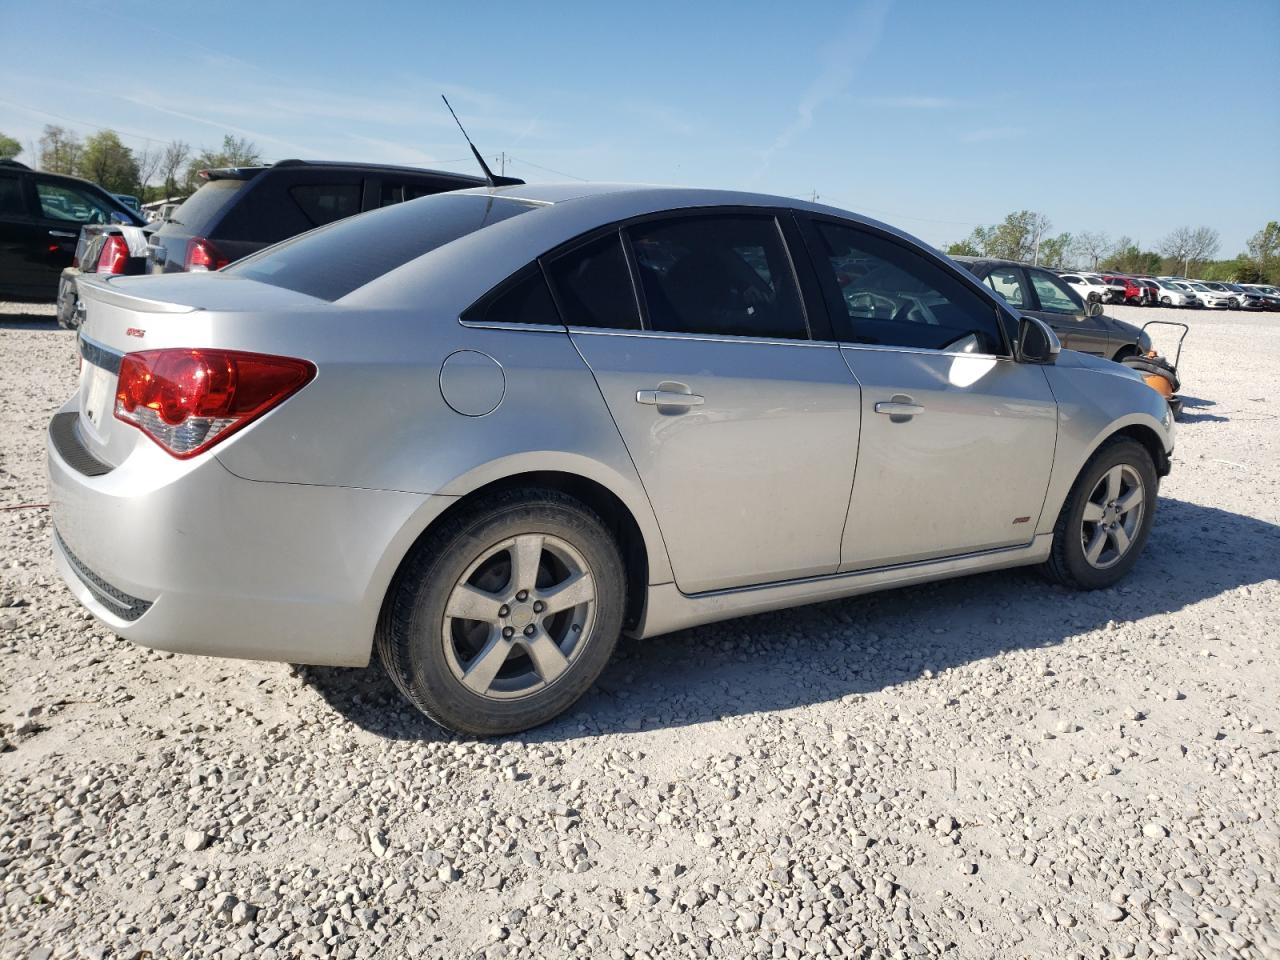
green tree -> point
(1054, 251)
(1264, 251)
(60, 150)
(108, 162)
(9, 147)
(963, 248)
(235, 152)
(1090, 247)
(1022, 235)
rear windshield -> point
(333, 260)
(199, 211)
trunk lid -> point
(128, 314)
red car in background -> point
(1133, 292)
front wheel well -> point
(1151, 441)
(615, 514)
(1128, 350)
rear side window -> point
(725, 275)
(332, 261)
(525, 298)
(323, 203)
(1054, 295)
(889, 295)
(203, 208)
(593, 285)
(11, 204)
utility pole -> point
(814, 197)
(1039, 228)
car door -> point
(743, 428)
(60, 208)
(1061, 307)
(957, 438)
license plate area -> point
(97, 394)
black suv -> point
(40, 219)
(240, 210)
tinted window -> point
(1006, 282)
(724, 275)
(888, 294)
(198, 212)
(326, 202)
(1054, 295)
(593, 286)
(331, 262)
(11, 204)
(523, 299)
(61, 202)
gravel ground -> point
(988, 767)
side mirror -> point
(1037, 343)
(1094, 309)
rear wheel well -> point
(617, 518)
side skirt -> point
(667, 609)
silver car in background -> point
(486, 432)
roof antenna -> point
(488, 174)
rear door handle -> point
(668, 398)
(895, 408)
(63, 233)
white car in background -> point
(1233, 298)
(1214, 299)
(1173, 295)
(1091, 289)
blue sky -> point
(1129, 117)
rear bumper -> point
(186, 556)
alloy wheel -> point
(1112, 516)
(519, 616)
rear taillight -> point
(115, 256)
(203, 255)
(187, 400)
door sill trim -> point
(668, 609)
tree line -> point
(152, 173)
(1187, 251)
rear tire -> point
(1096, 544)
(474, 632)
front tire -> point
(1106, 519)
(502, 618)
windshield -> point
(1200, 286)
(332, 261)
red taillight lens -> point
(115, 256)
(187, 400)
(203, 255)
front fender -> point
(1096, 400)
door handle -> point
(63, 233)
(668, 398)
(896, 408)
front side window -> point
(890, 295)
(723, 275)
(593, 285)
(1054, 295)
(1006, 282)
(326, 202)
(59, 202)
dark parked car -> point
(1038, 293)
(240, 210)
(40, 219)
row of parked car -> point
(55, 228)
(1172, 291)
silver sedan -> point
(486, 432)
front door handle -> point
(63, 233)
(668, 398)
(896, 408)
